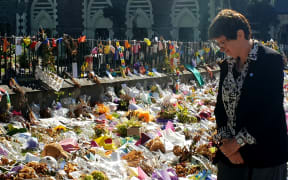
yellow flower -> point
(60, 128)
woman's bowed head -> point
(231, 32)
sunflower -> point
(60, 128)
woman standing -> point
(251, 126)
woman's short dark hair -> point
(227, 23)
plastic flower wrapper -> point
(168, 100)
(112, 170)
(70, 134)
(22, 137)
(13, 149)
(168, 157)
(145, 98)
(173, 137)
(112, 106)
(60, 112)
(3, 151)
(53, 122)
(67, 102)
(75, 174)
(156, 92)
(51, 163)
(150, 163)
(30, 157)
(165, 174)
(133, 106)
(204, 162)
(208, 125)
(69, 144)
(131, 92)
(36, 109)
(86, 133)
(185, 89)
(110, 94)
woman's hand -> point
(229, 147)
(236, 158)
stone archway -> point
(98, 21)
(43, 20)
(43, 14)
(283, 34)
(5, 26)
(185, 19)
(94, 20)
(139, 19)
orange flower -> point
(144, 115)
(108, 116)
(102, 109)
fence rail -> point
(20, 56)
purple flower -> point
(3, 152)
(17, 168)
(32, 143)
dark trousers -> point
(272, 173)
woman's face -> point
(229, 47)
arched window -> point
(283, 34)
(43, 15)
(5, 22)
(5, 26)
(139, 19)
(95, 24)
(185, 20)
(101, 33)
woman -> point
(251, 126)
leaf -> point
(15, 131)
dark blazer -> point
(260, 110)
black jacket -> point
(260, 110)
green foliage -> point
(122, 128)
(23, 60)
(123, 105)
(167, 114)
(98, 175)
(166, 65)
(99, 130)
(16, 130)
(48, 59)
(59, 94)
(88, 177)
(184, 116)
(77, 130)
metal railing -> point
(17, 60)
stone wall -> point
(45, 98)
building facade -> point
(185, 20)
